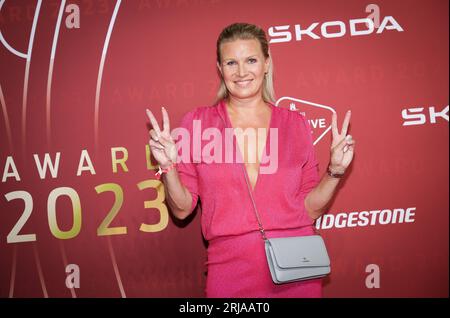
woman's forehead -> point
(241, 48)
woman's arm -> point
(164, 150)
(319, 197)
(178, 196)
(342, 150)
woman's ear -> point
(267, 64)
(220, 69)
(268, 61)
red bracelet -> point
(161, 171)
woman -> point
(289, 198)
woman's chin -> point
(243, 94)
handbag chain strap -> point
(260, 226)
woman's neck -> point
(249, 106)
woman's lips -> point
(243, 83)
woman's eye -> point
(230, 63)
(252, 60)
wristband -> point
(161, 171)
(334, 175)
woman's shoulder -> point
(204, 110)
(203, 113)
(289, 115)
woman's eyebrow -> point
(232, 58)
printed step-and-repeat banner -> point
(81, 212)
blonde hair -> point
(245, 31)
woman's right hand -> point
(162, 146)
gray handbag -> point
(297, 258)
(294, 258)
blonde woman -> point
(289, 194)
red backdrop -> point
(65, 88)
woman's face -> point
(242, 67)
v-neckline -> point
(238, 150)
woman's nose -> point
(242, 71)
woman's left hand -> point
(342, 145)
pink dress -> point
(237, 265)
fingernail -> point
(348, 137)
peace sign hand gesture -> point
(342, 146)
(162, 146)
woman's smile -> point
(243, 83)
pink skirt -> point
(237, 268)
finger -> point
(350, 149)
(164, 141)
(351, 142)
(350, 146)
(334, 129)
(349, 139)
(344, 142)
(154, 144)
(153, 135)
(346, 123)
(166, 121)
(154, 122)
